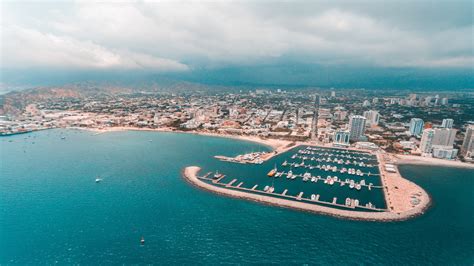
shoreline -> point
(274, 144)
(418, 160)
(190, 174)
(279, 146)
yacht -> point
(98, 180)
(313, 197)
(358, 186)
(289, 174)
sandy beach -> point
(275, 144)
(191, 175)
(418, 160)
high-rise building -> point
(366, 103)
(444, 101)
(447, 123)
(375, 100)
(427, 140)
(444, 136)
(341, 137)
(333, 94)
(467, 147)
(357, 127)
(416, 126)
(373, 117)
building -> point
(444, 152)
(340, 115)
(444, 136)
(444, 101)
(366, 103)
(447, 123)
(372, 117)
(341, 137)
(427, 140)
(416, 126)
(366, 145)
(467, 148)
(437, 137)
(333, 94)
(357, 127)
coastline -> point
(418, 160)
(280, 146)
(190, 174)
(275, 144)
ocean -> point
(52, 211)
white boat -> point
(289, 174)
(356, 202)
(348, 202)
(285, 163)
(313, 179)
(313, 197)
(266, 188)
(358, 186)
(98, 180)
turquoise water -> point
(52, 211)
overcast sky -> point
(172, 36)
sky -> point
(328, 43)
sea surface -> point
(52, 211)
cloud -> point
(31, 48)
(163, 35)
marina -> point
(343, 179)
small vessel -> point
(348, 202)
(98, 179)
(142, 241)
(313, 197)
(313, 179)
(358, 186)
(272, 172)
(266, 188)
(289, 174)
(285, 163)
(217, 175)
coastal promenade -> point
(397, 214)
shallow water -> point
(51, 210)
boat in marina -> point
(313, 197)
(285, 163)
(313, 179)
(289, 174)
(272, 172)
(217, 175)
(358, 186)
(348, 202)
(356, 202)
(351, 184)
